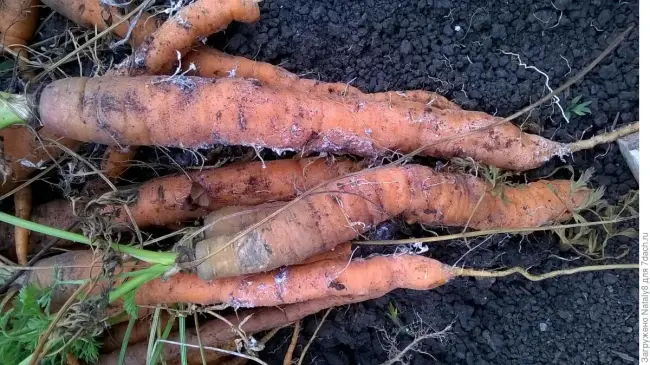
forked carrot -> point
(201, 18)
(351, 206)
(210, 62)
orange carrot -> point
(57, 213)
(116, 161)
(142, 111)
(293, 284)
(91, 14)
(210, 62)
(72, 265)
(18, 21)
(351, 206)
(201, 18)
(23, 207)
(25, 153)
(217, 333)
(169, 200)
(177, 198)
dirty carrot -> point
(143, 110)
(57, 213)
(174, 199)
(325, 279)
(210, 62)
(351, 206)
(92, 13)
(23, 208)
(177, 198)
(228, 221)
(25, 153)
(116, 160)
(18, 21)
(161, 49)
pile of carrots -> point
(274, 234)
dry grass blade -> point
(313, 336)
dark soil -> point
(454, 47)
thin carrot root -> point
(23, 207)
(210, 62)
(346, 208)
(172, 199)
(18, 21)
(288, 356)
(263, 116)
(160, 50)
(116, 161)
(91, 14)
(216, 333)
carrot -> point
(201, 18)
(351, 206)
(23, 207)
(71, 266)
(143, 110)
(173, 199)
(116, 160)
(24, 153)
(91, 14)
(18, 21)
(210, 62)
(177, 198)
(232, 220)
(293, 284)
(216, 333)
(57, 213)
